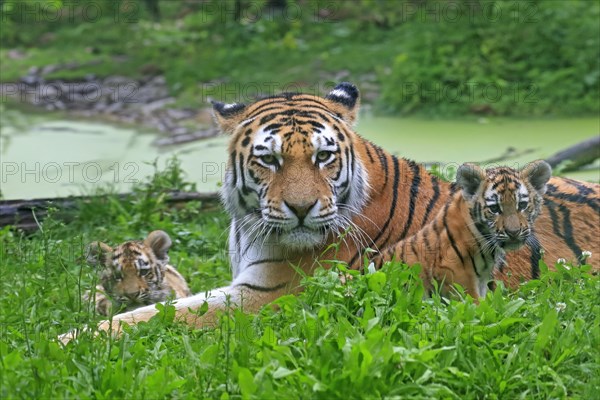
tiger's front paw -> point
(71, 335)
(114, 329)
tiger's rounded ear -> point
(160, 243)
(98, 253)
(537, 173)
(346, 97)
(469, 178)
(228, 116)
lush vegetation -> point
(369, 337)
(497, 57)
(373, 336)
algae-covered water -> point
(505, 141)
(47, 155)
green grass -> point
(373, 337)
(204, 55)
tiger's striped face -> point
(133, 272)
(292, 169)
(504, 202)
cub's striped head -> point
(292, 168)
(133, 272)
(504, 202)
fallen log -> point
(576, 156)
(186, 137)
(26, 214)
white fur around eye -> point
(142, 264)
(324, 141)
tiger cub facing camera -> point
(134, 274)
(492, 212)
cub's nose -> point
(513, 233)
(132, 295)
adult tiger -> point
(298, 174)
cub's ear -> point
(228, 116)
(537, 173)
(160, 243)
(98, 253)
(345, 99)
(469, 178)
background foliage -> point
(451, 58)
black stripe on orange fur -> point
(450, 237)
(414, 189)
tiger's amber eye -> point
(323, 156)
(268, 159)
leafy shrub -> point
(520, 58)
(433, 57)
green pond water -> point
(46, 155)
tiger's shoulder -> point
(572, 212)
(565, 190)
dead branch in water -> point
(581, 154)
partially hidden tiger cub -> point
(134, 274)
(492, 212)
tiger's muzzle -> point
(513, 239)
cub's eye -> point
(495, 208)
(323, 156)
(269, 159)
(144, 271)
(522, 205)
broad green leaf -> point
(282, 372)
(546, 328)
(376, 281)
(269, 336)
(512, 307)
(246, 382)
(209, 355)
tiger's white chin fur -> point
(302, 238)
